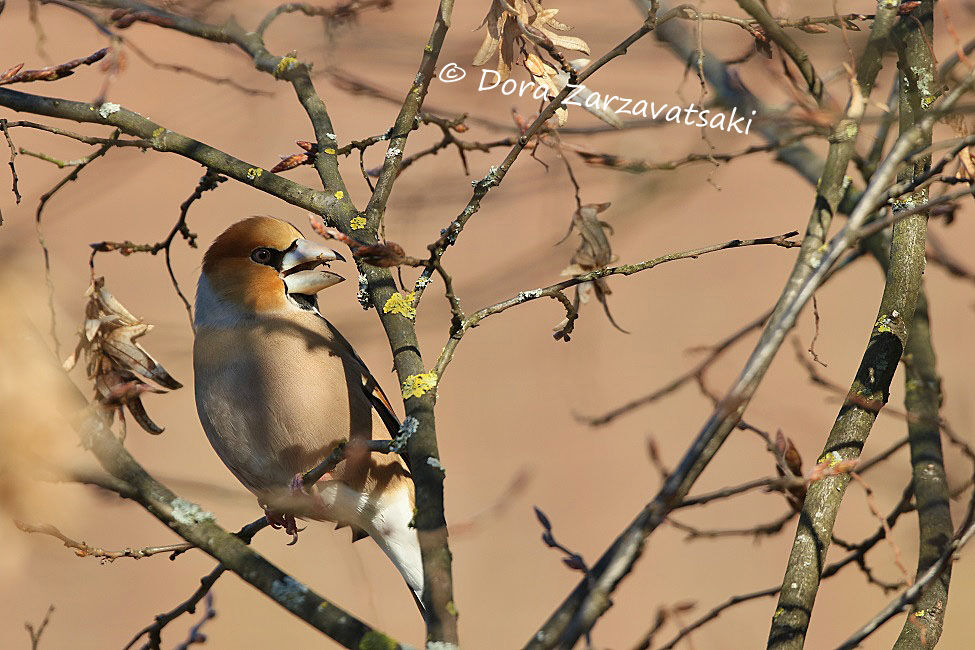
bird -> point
(278, 388)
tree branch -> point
(161, 139)
(870, 388)
(584, 605)
(554, 290)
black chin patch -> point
(306, 302)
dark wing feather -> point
(374, 392)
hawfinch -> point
(277, 388)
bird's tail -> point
(392, 529)
(387, 517)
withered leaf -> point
(119, 367)
(594, 252)
(515, 26)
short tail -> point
(392, 529)
(387, 517)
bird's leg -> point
(282, 519)
(285, 521)
(299, 489)
(299, 492)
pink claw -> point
(287, 522)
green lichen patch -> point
(417, 385)
(373, 640)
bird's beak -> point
(310, 282)
(309, 254)
(299, 272)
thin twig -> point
(556, 289)
(909, 595)
(196, 635)
(50, 73)
(13, 168)
(82, 549)
(35, 633)
(154, 632)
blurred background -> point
(509, 404)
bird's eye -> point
(262, 255)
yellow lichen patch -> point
(358, 223)
(919, 613)
(158, 132)
(417, 385)
(373, 640)
(254, 172)
(779, 612)
(339, 194)
(283, 65)
(452, 609)
(833, 459)
(883, 324)
(329, 150)
(398, 303)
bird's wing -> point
(374, 392)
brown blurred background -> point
(507, 402)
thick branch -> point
(584, 605)
(162, 139)
(911, 594)
(868, 394)
(923, 402)
(198, 527)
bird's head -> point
(259, 263)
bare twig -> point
(196, 635)
(82, 549)
(552, 291)
(35, 633)
(911, 594)
(51, 73)
(714, 352)
(13, 167)
(613, 161)
(344, 11)
(193, 72)
(207, 182)
(154, 632)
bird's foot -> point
(299, 489)
(285, 521)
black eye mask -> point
(270, 256)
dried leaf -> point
(117, 364)
(518, 26)
(583, 93)
(594, 252)
(384, 255)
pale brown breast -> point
(276, 393)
